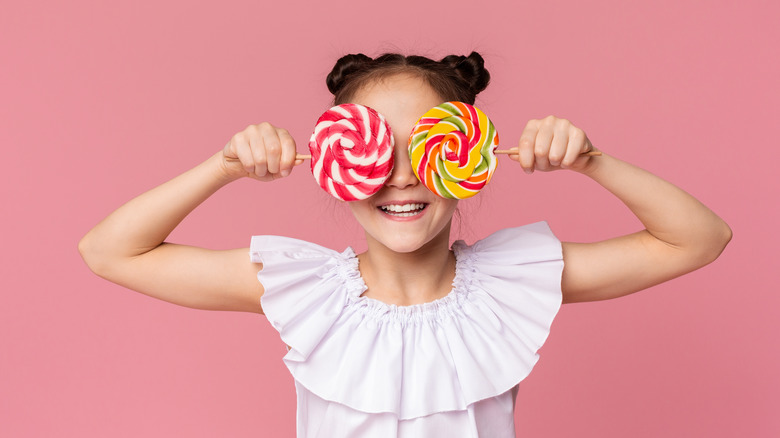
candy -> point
(452, 148)
(351, 151)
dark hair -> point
(455, 77)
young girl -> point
(410, 338)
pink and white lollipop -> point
(351, 151)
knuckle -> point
(550, 121)
(273, 145)
(264, 126)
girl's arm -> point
(128, 247)
(680, 235)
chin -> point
(404, 243)
(403, 247)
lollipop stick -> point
(515, 152)
(297, 157)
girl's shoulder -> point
(523, 244)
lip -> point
(402, 218)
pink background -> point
(103, 100)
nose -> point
(402, 175)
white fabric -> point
(365, 368)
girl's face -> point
(404, 215)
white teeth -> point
(403, 210)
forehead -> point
(402, 98)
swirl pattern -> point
(452, 150)
(351, 151)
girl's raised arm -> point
(128, 247)
(680, 235)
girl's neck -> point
(404, 279)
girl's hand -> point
(552, 143)
(262, 152)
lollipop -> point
(452, 150)
(351, 151)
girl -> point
(411, 337)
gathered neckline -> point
(356, 285)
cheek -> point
(445, 211)
(359, 209)
(449, 206)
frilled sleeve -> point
(304, 291)
(514, 281)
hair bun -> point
(345, 66)
(471, 69)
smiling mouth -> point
(403, 210)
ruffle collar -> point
(477, 342)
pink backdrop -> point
(102, 100)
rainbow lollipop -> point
(452, 148)
(351, 151)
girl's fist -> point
(261, 151)
(552, 143)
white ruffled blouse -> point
(447, 368)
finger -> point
(273, 148)
(577, 145)
(288, 152)
(526, 146)
(241, 148)
(259, 156)
(543, 143)
(560, 142)
(229, 151)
